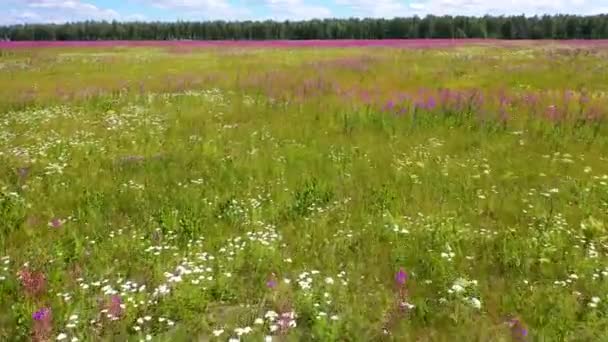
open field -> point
(456, 192)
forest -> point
(492, 27)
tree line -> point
(498, 27)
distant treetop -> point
(502, 27)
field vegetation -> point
(174, 193)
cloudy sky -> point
(23, 11)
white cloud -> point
(202, 9)
(376, 8)
(295, 10)
(21, 11)
(54, 11)
(536, 7)
(392, 8)
(190, 4)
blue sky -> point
(24, 11)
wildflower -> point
(401, 276)
(430, 103)
(115, 307)
(41, 314)
(43, 325)
(218, 332)
(594, 302)
(329, 281)
(389, 106)
(518, 330)
(457, 288)
(406, 306)
(552, 112)
(271, 283)
(476, 303)
(56, 223)
(61, 337)
(271, 315)
(34, 283)
(258, 321)
(287, 320)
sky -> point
(44, 11)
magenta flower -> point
(271, 283)
(430, 103)
(389, 106)
(41, 314)
(56, 223)
(518, 330)
(552, 113)
(34, 283)
(401, 276)
(42, 329)
(115, 307)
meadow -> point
(269, 192)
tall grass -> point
(332, 194)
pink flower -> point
(401, 276)
(115, 307)
(43, 325)
(271, 283)
(56, 223)
(34, 283)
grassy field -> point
(336, 194)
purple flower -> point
(115, 307)
(389, 106)
(56, 223)
(518, 329)
(552, 112)
(116, 300)
(271, 283)
(365, 96)
(41, 314)
(430, 103)
(401, 276)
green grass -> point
(204, 196)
